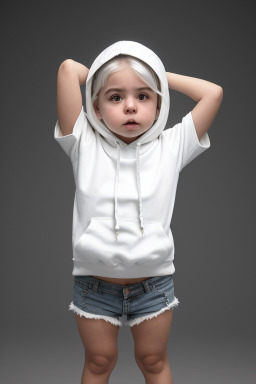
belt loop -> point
(95, 285)
(146, 286)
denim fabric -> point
(95, 298)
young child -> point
(126, 169)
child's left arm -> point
(207, 95)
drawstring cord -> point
(117, 227)
(116, 186)
(139, 186)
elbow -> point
(66, 64)
(219, 92)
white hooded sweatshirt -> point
(125, 193)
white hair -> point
(143, 70)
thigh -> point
(98, 336)
(97, 324)
(151, 336)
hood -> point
(148, 56)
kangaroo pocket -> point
(98, 243)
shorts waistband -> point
(97, 284)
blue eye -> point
(112, 98)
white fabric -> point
(125, 193)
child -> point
(126, 169)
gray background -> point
(212, 337)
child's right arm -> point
(71, 75)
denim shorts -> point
(97, 299)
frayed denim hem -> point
(139, 320)
(88, 315)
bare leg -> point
(151, 337)
(99, 338)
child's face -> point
(116, 107)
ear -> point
(97, 109)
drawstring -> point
(138, 185)
(116, 185)
(117, 227)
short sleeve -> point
(69, 143)
(184, 142)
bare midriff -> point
(121, 281)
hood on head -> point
(148, 56)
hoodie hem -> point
(122, 271)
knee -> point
(99, 364)
(151, 363)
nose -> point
(130, 105)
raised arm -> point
(207, 95)
(71, 75)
